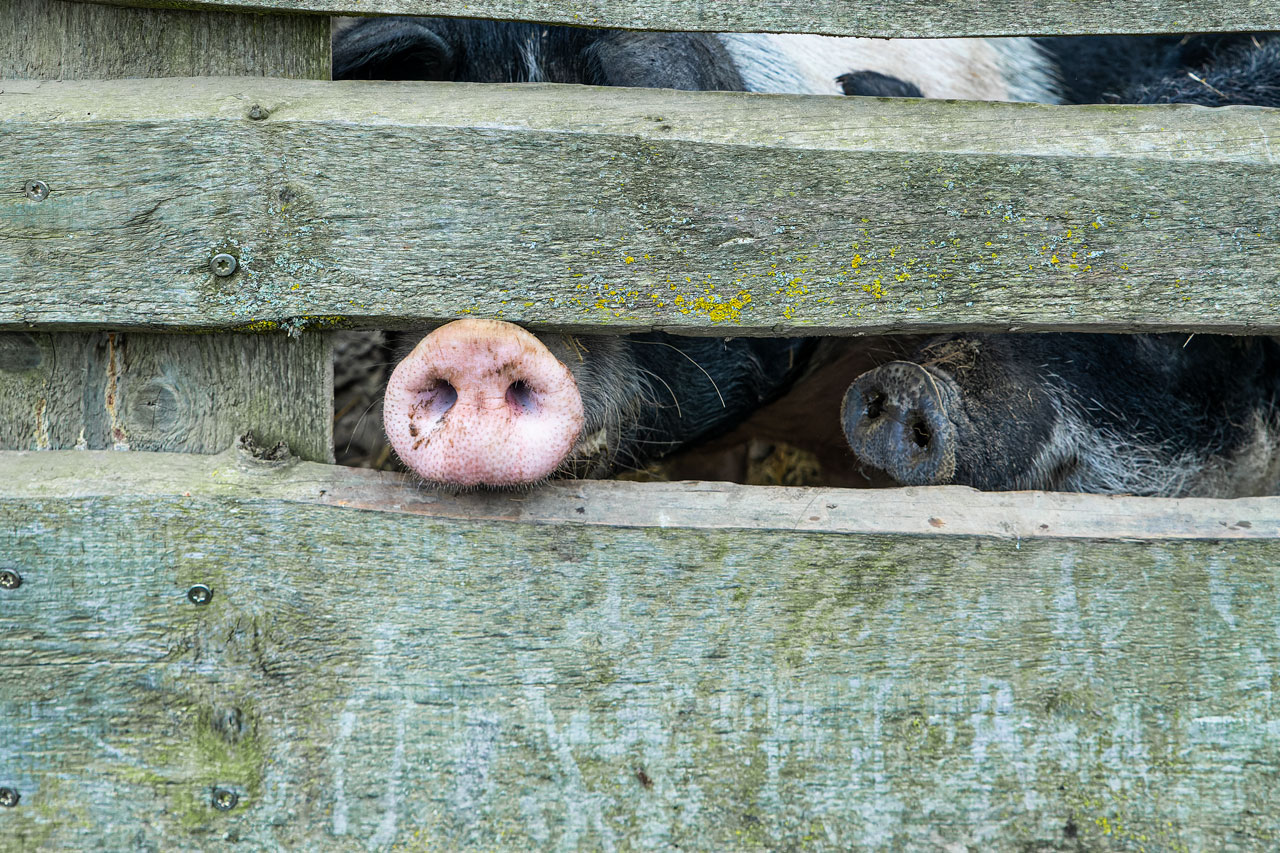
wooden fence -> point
(222, 647)
(887, 18)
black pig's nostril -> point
(920, 434)
(520, 395)
(875, 405)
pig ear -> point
(391, 49)
(877, 85)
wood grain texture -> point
(379, 680)
(908, 18)
(165, 392)
(54, 39)
(387, 205)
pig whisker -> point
(694, 363)
(670, 391)
(345, 410)
(359, 420)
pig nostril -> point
(444, 395)
(520, 396)
(920, 434)
(875, 405)
(435, 401)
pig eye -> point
(520, 395)
(875, 405)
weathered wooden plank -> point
(165, 392)
(53, 39)
(906, 18)
(144, 391)
(954, 510)
(386, 205)
(376, 680)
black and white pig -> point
(1142, 414)
(486, 403)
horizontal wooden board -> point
(932, 511)
(404, 680)
(387, 205)
(907, 18)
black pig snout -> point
(896, 419)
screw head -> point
(224, 799)
(223, 264)
(36, 190)
(257, 113)
(199, 595)
(9, 797)
(9, 579)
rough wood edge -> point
(934, 511)
(886, 20)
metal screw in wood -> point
(224, 800)
(9, 797)
(36, 190)
(257, 113)
(199, 595)
(223, 264)
(9, 579)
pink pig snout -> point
(482, 402)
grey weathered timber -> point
(954, 510)
(140, 391)
(54, 39)
(884, 18)
(389, 204)
(420, 680)
(165, 392)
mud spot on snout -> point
(415, 411)
(419, 441)
(503, 369)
